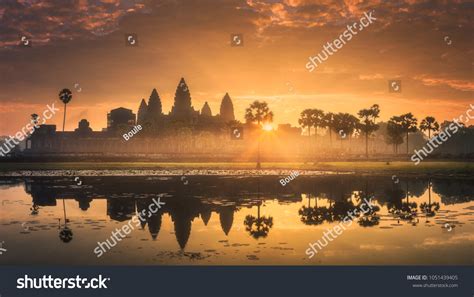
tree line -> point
(347, 125)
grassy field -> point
(464, 168)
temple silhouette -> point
(182, 113)
(161, 133)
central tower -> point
(182, 109)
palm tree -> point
(430, 124)
(317, 120)
(345, 124)
(258, 112)
(306, 121)
(65, 96)
(394, 132)
(408, 124)
(368, 125)
(34, 119)
(329, 124)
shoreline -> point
(448, 169)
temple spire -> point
(227, 109)
(142, 111)
(182, 107)
(154, 104)
(206, 110)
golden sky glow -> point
(426, 45)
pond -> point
(235, 220)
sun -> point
(267, 127)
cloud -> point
(378, 247)
(318, 13)
(462, 85)
(48, 20)
(370, 76)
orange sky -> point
(426, 44)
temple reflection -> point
(323, 199)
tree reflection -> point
(429, 209)
(34, 209)
(405, 211)
(409, 210)
(339, 210)
(65, 235)
(369, 217)
(394, 205)
(313, 215)
(258, 227)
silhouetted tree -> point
(368, 125)
(258, 112)
(345, 124)
(429, 124)
(306, 121)
(329, 125)
(394, 132)
(408, 124)
(34, 119)
(317, 121)
(65, 96)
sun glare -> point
(267, 127)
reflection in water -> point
(258, 227)
(430, 208)
(66, 233)
(320, 201)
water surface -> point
(224, 220)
